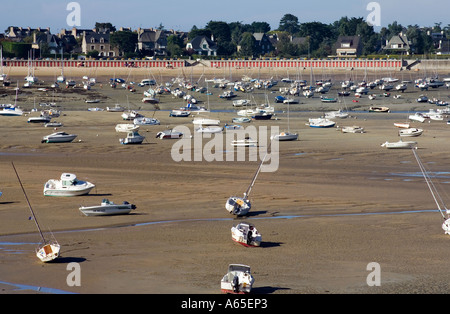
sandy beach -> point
(337, 202)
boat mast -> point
(430, 184)
(247, 193)
(29, 205)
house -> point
(444, 47)
(152, 40)
(263, 43)
(202, 45)
(53, 44)
(399, 44)
(348, 46)
(99, 42)
(18, 34)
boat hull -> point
(48, 252)
(106, 210)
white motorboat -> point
(410, 132)
(68, 185)
(240, 102)
(419, 117)
(399, 144)
(131, 115)
(150, 100)
(47, 251)
(246, 234)
(58, 137)
(321, 123)
(11, 111)
(402, 125)
(169, 134)
(146, 121)
(53, 124)
(352, 129)
(116, 108)
(445, 212)
(133, 137)
(126, 127)
(107, 208)
(40, 119)
(238, 280)
(179, 113)
(205, 121)
(209, 129)
(241, 120)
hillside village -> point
(348, 37)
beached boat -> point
(246, 234)
(240, 206)
(379, 109)
(169, 134)
(336, 114)
(240, 102)
(410, 132)
(209, 129)
(68, 185)
(53, 124)
(247, 142)
(116, 108)
(40, 119)
(126, 127)
(419, 117)
(241, 120)
(321, 123)
(48, 250)
(285, 135)
(399, 144)
(131, 115)
(205, 121)
(133, 137)
(11, 111)
(107, 208)
(146, 121)
(232, 127)
(435, 194)
(327, 99)
(403, 125)
(238, 280)
(92, 101)
(352, 129)
(150, 100)
(58, 137)
(179, 113)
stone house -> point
(348, 46)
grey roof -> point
(198, 40)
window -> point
(92, 40)
(102, 47)
(92, 47)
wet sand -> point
(336, 203)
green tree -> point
(289, 23)
(105, 27)
(248, 45)
(125, 41)
(174, 45)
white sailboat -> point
(434, 193)
(287, 135)
(48, 250)
(240, 206)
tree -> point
(125, 41)
(260, 27)
(248, 45)
(105, 27)
(289, 23)
(174, 45)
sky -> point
(182, 15)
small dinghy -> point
(107, 208)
